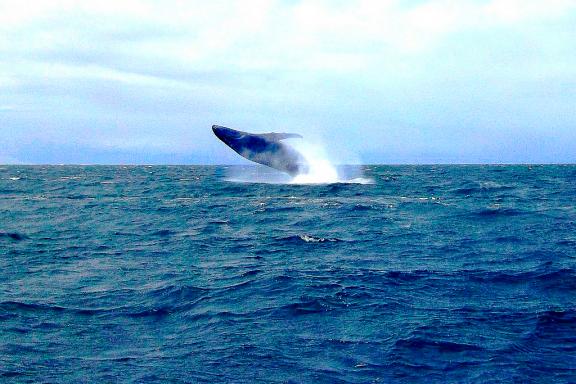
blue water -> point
(174, 274)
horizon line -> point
(256, 165)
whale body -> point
(264, 148)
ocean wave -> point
(509, 239)
(407, 276)
(155, 303)
(272, 210)
(163, 233)
(15, 306)
(558, 318)
(547, 331)
(151, 312)
(12, 373)
(498, 212)
(416, 343)
(564, 278)
(178, 293)
(13, 236)
(298, 239)
(362, 207)
(307, 306)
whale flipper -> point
(273, 136)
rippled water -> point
(174, 274)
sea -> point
(191, 274)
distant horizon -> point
(222, 155)
(262, 166)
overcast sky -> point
(383, 81)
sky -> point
(383, 81)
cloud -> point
(154, 75)
(255, 34)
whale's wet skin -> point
(174, 274)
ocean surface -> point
(170, 274)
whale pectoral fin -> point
(290, 136)
(280, 136)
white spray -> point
(322, 168)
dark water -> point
(172, 274)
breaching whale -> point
(264, 148)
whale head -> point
(227, 135)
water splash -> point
(322, 168)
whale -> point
(264, 148)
